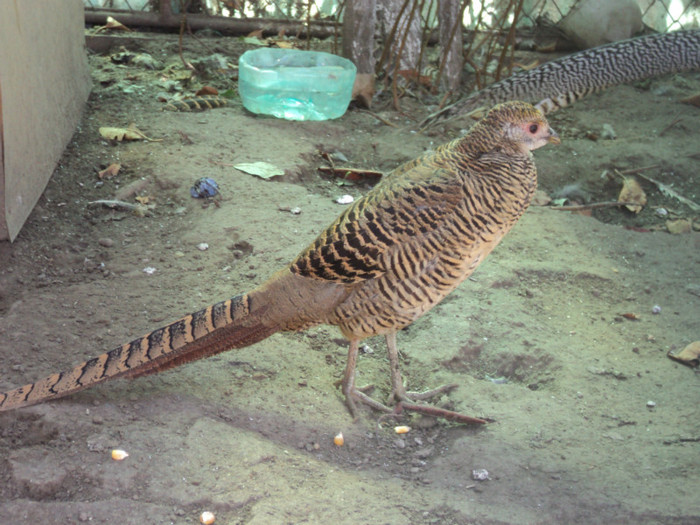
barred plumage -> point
(196, 103)
(558, 83)
(384, 262)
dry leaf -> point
(206, 90)
(115, 24)
(143, 200)
(693, 100)
(120, 134)
(264, 170)
(527, 67)
(541, 198)
(690, 355)
(363, 89)
(678, 226)
(284, 44)
(547, 48)
(110, 171)
(258, 33)
(632, 192)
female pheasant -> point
(387, 260)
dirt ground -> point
(593, 423)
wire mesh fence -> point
(660, 15)
(411, 37)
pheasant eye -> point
(533, 128)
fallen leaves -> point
(207, 91)
(693, 100)
(689, 356)
(110, 171)
(351, 174)
(678, 226)
(632, 194)
(631, 316)
(363, 89)
(256, 38)
(122, 134)
(669, 192)
(112, 23)
(264, 170)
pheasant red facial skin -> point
(384, 262)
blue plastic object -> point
(204, 188)
(294, 84)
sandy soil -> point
(248, 434)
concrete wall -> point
(44, 83)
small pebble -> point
(651, 404)
(203, 246)
(106, 242)
(345, 199)
(608, 132)
(295, 211)
(480, 474)
(207, 518)
(656, 309)
(150, 270)
(338, 155)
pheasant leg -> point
(398, 390)
(350, 391)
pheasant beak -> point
(553, 137)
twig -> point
(593, 205)
(637, 170)
(510, 38)
(389, 42)
(380, 119)
(138, 209)
(673, 123)
(668, 192)
(353, 174)
(449, 415)
(183, 23)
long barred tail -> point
(284, 302)
(217, 328)
(561, 82)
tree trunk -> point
(451, 60)
(358, 33)
(404, 37)
(358, 45)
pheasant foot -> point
(404, 400)
(400, 394)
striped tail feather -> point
(284, 302)
(561, 82)
(219, 327)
